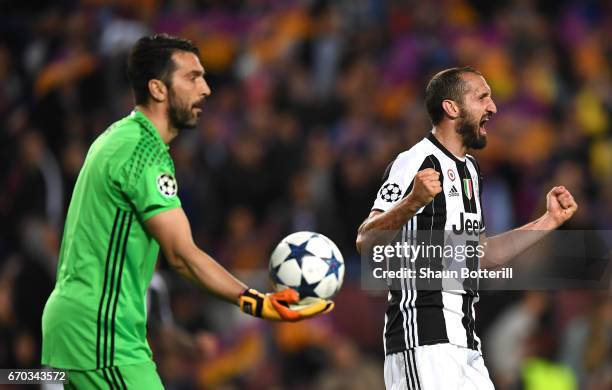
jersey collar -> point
(437, 143)
(148, 125)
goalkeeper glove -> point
(275, 306)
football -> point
(308, 262)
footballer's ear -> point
(157, 90)
(451, 108)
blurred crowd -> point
(310, 101)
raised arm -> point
(560, 207)
(380, 227)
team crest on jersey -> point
(468, 188)
(451, 174)
(390, 192)
(166, 185)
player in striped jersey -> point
(125, 207)
(428, 191)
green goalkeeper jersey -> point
(96, 315)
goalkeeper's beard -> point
(180, 115)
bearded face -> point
(471, 129)
(182, 114)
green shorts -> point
(130, 377)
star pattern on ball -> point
(306, 262)
(390, 192)
(274, 275)
(306, 289)
(334, 266)
(298, 252)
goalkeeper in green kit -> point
(123, 209)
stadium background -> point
(311, 100)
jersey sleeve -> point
(149, 184)
(154, 192)
(397, 180)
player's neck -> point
(451, 140)
(159, 117)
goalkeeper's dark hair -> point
(447, 84)
(151, 58)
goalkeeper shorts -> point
(437, 367)
(131, 377)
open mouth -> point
(482, 129)
(199, 105)
(198, 108)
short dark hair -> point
(447, 84)
(151, 58)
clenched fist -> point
(560, 205)
(425, 187)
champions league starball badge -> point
(166, 185)
(390, 192)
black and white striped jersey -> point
(418, 316)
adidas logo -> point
(453, 192)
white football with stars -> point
(308, 262)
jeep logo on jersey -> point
(390, 192)
(469, 226)
(166, 185)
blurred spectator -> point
(34, 184)
(587, 345)
(507, 339)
